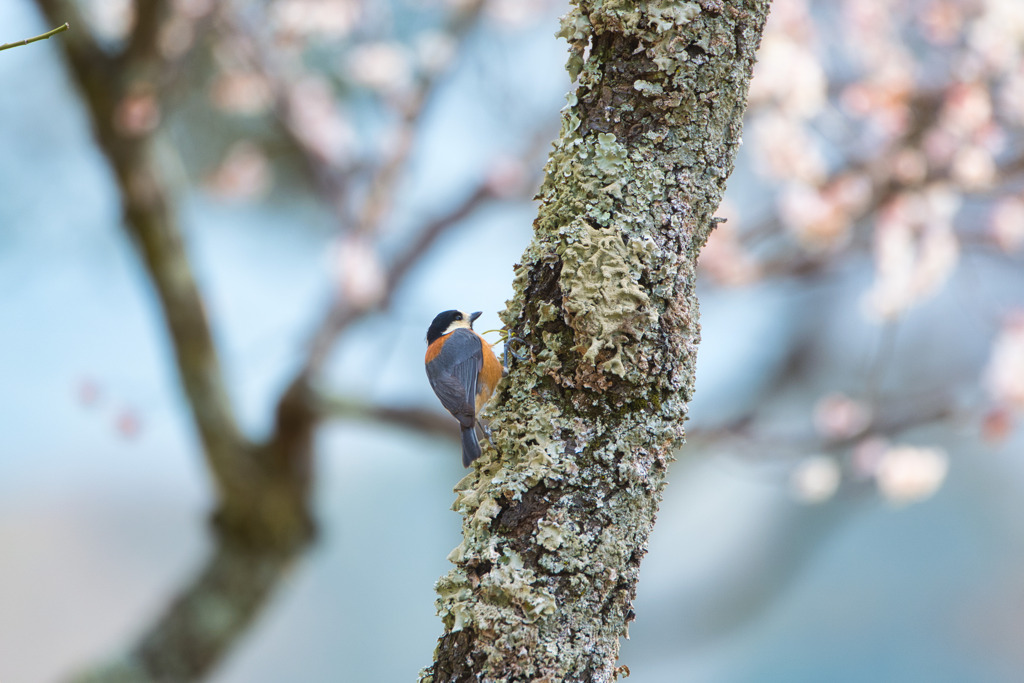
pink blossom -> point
(1004, 376)
(815, 479)
(915, 250)
(307, 18)
(137, 114)
(383, 66)
(785, 149)
(1006, 223)
(316, 120)
(359, 273)
(837, 416)
(788, 75)
(245, 173)
(241, 92)
(910, 474)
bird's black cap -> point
(441, 323)
(444, 319)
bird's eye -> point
(458, 316)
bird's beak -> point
(474, 316)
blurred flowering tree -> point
(887, 135)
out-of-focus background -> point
(850, 505)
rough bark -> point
(557, 513)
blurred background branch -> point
(122, 95)
(416, 419)
(203, 622)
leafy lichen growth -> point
(610, 155)
(606, 306)
(671, 14)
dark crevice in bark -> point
(519, 518)
(613, 105)
(457, 660)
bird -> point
(463, 372)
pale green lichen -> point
(458, 553)
(549, 535)
(454, 599)
(570, 122)
(487, 510)
(648, 88)
(672, 14)
(610, 155)
(607, 307)
(507, 583)
(548, 312)
(547, 359)
(573, 26)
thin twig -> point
(88, 54)
(48, 34)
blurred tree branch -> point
(44, 36)
(742, 436)
(203, 621)
(418, 419)
(121, 96)
(262, 506)
(343, 312)
(384, 184)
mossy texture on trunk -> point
(558, 513)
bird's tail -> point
(470, 446)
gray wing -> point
(454, 375)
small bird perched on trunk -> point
(463, 372)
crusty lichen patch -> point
(483, 602)
(557, 511)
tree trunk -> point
(558, 513)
